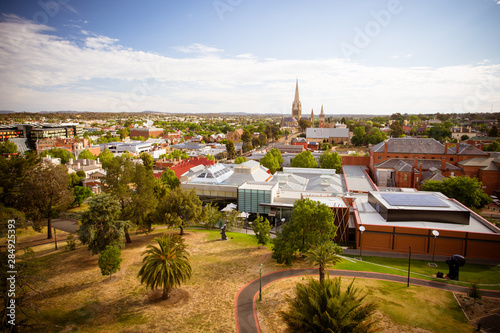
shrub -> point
(70, 242)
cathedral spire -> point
(296, 100)
(296, 106)
(322, 110)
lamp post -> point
(260, 282)
(435, 233)
(409, 261)
(361, 229)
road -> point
(245, 303)
(65, 225)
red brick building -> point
(407, 162)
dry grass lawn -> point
(77, 296)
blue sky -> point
(370, 57)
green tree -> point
(396, 130)
(169, 180)
(246, 136)
(8, 147)
(109, 260)
(211, 215)
(86, 154)
(100, 224)
(262, 230)
(45, 193)
(269, 161)
(81, 193)
(494, 146)
(13, 173)
(331, 160)
(277, 155)
(263, 138)
(375, 136)
(323, 254)
(143, 199)
(179, 209)
(256, 142)
(105, 157)
(358, 137)
(304, 124)
(464, 137)
(324, 307)
(467, 190)
(493, 132)
(231, 218)
(75, 180)
(63, 154)
(304, 159)
(311, 223)
(231, 153)
(240, 159)
(438, 132)
(166, 266)
(147, 160)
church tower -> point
(321, 118)
(312, 118)
(296, 106)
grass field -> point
(76, 297)
(400, 309)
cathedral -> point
(293, 121)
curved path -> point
(245, 303)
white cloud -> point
(41, 71)
(196, 48)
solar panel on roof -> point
(417, 200)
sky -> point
(371, 57)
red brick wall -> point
(356, 160)
(490, 179)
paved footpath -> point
(245, 303)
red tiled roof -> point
(187, 164)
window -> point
(405, 178)
(380, 157)
(451, 159)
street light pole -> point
(409, 260)
(260, 282)
(361, 229)
(435, 233)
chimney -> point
(70, 161)
(415, 162)
(385, 146)
(443, 163)
(458, 146)
(77, 165)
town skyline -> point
(373, 58)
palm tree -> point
(322, 255)
(323, 307)
(165, 266)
